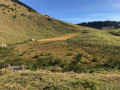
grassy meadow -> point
(88, 61)
(87, 52)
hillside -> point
(19, 22)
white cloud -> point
(116, 5)
(113, 4)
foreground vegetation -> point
(46, 80)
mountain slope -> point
(19, 22)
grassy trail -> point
(59, 38)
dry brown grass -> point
(58, 49)
(42, 79)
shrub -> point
(4, 71)
(12, 9)
(75, 65)
(48, 54)
(112, 63)
(94, 60)
(3, 12)
(15, 5)
(49, 19)
(69, 54)
(66, 67)
(57, 62)
(23, 53)
(89, 85)
(77, 85)
(41, 54)
(14, 16)
(78, 57)
(36, 56)
(57, 69)
(44, 62)
(91, 71)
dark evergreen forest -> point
(100, 24)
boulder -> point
(32, 39)
(3, 46)
(15, 68)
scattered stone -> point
(46, 15)
(3, 46)
(32, 39)
(23, 14)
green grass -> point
(99, 37)
(98, 42)
(115, 32)
(102, 45)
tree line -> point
(100, 24)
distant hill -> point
(100, 24)
(20, 22)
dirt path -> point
(59, 38)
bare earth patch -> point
(59, 38)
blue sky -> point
(76, 11)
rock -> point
(3, 46)
(15, 68)
(32, 39)
(46, 15)
(5, 66)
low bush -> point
(36, 56)
(69, 54)
(94, 60)
(78, 57)
(77, 66)
(48, 54)
(89, 85)
(14, 16)
(112, 63)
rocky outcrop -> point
(14, 68)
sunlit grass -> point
(28, 24)
(43, 79)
